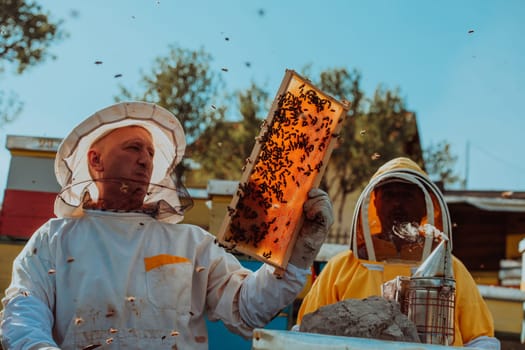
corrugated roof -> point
(489, 203)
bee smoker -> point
(428, 296)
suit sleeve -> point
(244, 299)
(323, 291)
(263, 295)
(27, 318)
(472, 313)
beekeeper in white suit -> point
(116, 270)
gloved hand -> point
(318, 217)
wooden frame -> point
(288, 159)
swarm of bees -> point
(292, 145)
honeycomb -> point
(288, 159)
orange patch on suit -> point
(152, 262)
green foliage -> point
(26, 33)
(25, 36)
(376, 130)
(219, 152)
(222, 149)
(440, 162)
(253, 106)
(183, 83)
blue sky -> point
(464, 87)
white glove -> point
(318, 217)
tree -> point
(440, 162)
(26, 33)
(183, 83)
(376, 129)
(222, 149)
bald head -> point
(121, 163)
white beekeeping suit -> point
(133, 280)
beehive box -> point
(288, 159)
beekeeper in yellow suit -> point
(398, 194)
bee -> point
(123, 188)
(267, 254)
(110, 313)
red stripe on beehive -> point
(25, 211)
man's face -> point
(124, 158)
(399, 202)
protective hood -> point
(71, 164)
(366, 224)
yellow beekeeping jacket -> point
(345, 276)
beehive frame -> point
(288, 159)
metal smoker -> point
(428, 297)
(431, 297)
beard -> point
(123, 194)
